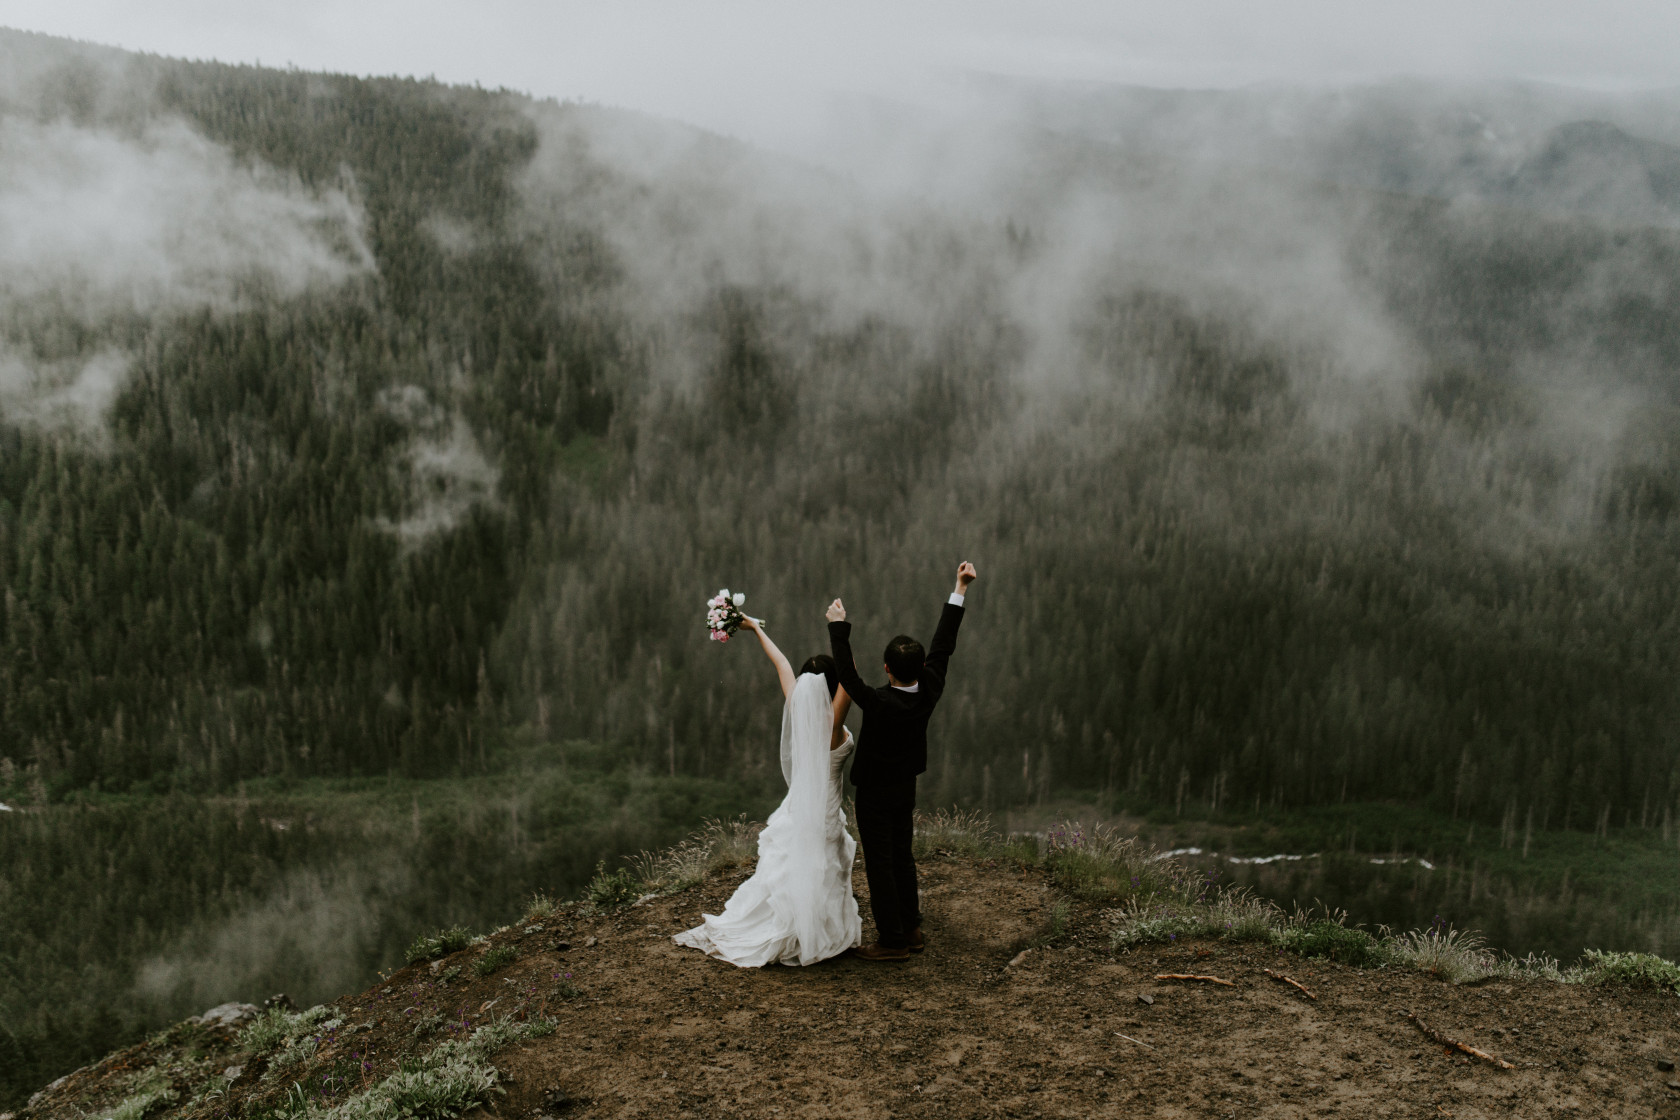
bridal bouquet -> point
(723, 614)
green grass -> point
(439, 944)
(540, 906)
(612, 890)
(1333, 940)
(153, 1092)
(493, 960)
(1570, 890)
(1637, 970)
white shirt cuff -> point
(955, 600)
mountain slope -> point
(968, 1029)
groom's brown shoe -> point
(880, 952)
(917, 941)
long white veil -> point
(807, 723)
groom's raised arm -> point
(950, 619)
(845, 666)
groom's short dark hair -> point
(904, 658)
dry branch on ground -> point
(1453, 1043)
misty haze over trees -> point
(1316, 448)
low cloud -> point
(446, 472)
(313, 937)
(162, 221)
(73, 394)
(103, 226)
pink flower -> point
(722, 637)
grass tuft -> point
(1454, 955)
(612, 891)
(540, 906)
(954, 832)
(278, 1027)
(148, 1098)
(1638, 970)
(439, 944)
(1333, 939)
(493, 960)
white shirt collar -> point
(917, 687)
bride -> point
(797, 907)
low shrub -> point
(495, 959)
(1101, 865)
(153, 1093)
(541, 906)
(278, 1027)
(1454, 955)
(611, 891)
(1232, 915)
(1333, 940)
(954, 832)
(439, 944)
(1638, 970)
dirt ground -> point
(959, 1031)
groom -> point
(891, 751)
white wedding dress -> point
(797, 907)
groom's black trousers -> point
(885, 821)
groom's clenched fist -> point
(965, 576)
(837, 611)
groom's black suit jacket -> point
(892, 747)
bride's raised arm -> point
(784, 671)
(842, 705)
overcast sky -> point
(754, 68)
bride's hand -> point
(749, 623)
(837, 611)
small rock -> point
(232, 1072)
(562, 946)
(534, 929)
(1666, 1064)
(554, 1099)
(1018, 958)
(1146, 999)
(228, 1015)
(1674, 1084)
(590, 943)
(7, 1115)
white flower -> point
(740, 599)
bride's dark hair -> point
(824, 664)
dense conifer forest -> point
(433, 465)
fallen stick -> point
(1293, 983)
(1129, 1038)
(1453, 1043)
(1193, 976)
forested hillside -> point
(548, 374)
